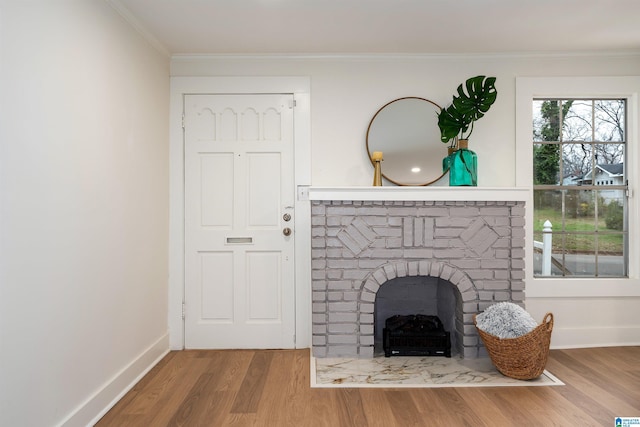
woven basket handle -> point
(548, 321)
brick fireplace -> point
(475, 247)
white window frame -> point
(528, 88)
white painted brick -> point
(334, 221)
(497, 285)
(319, 351)
(366, 330)
(342, 263)
(366, 352)
(334, 274)
(319, 340)
(342, 328)
(468, 296)
(366, 319)
(502, 296)
(447, 232)
(390, 271)
(319, 329)
(367, 307)
(335, 296)
(418, 253)
(407, 231)
(393, 242)
(351, 296)
(433, 212)
(318, 274)
(343, 306)
(319, 307)
(517, 296)
(375, 221)
(494, 263)
(343, 339)
(366, 340)
(336, 285)
(343, 317)
(319, 264)
(404, 211)
(412, 268)
(342, 351)
(340, 210)
(517, 274)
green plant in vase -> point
(456, 125)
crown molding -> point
(137, 25)
(395, 56)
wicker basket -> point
(524, 357)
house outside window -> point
(579, 146)
(607, 173)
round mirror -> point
(406, 132)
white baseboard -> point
(595, 337)
(94, 408)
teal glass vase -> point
(446, 162)
(463, 170)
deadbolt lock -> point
(286, 217)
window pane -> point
(581, 259)
(546, 164)
(578, 121)
(579, 210)
(546, 120)
(538, 121)
(609, 120)
(610, 154)
(576, 163)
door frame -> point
(300, 88)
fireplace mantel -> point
(446, 194)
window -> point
(580, 228)
(570, 185)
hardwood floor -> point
(271, 388)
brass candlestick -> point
(377, 168)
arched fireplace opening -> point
(418, 295)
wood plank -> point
(292, 394)
(404, 408)
(433, 409)
(349, 407)
(377, 407)
(250, 393)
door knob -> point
(286, 231)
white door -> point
(239, 201)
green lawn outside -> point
(610, 244)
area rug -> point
(416, 372)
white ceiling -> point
(386, 26)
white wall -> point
(347, 91)
(83, 209)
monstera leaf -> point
(467, 107)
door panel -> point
(216, 200)
(239, 266)
(216, 282)
(264, 278)
(263, 204)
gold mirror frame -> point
(406, 131)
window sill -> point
(582, 288)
